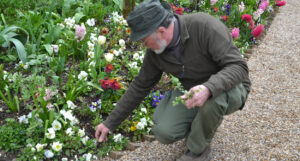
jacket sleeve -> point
(222, 50)
(148, 76)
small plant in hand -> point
(178, 86)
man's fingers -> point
(103, 136)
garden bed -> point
(53, 91)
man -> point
(197, 49)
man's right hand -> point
(101, 133)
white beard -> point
(161, 43)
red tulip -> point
(179, 11)
(258, 30)
(247, 17)
(225, 18)
(280, 3)
(109, 68)
(215, 9)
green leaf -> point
(48, 48)
(12, 57)
(20, 49)
(78, 16)
(119, 3)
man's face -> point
(156, 44)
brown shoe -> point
(190, 156)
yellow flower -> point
(133, 128)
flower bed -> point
(65, 65)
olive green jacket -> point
(209, 58)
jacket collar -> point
(184, 34)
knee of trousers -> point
(165, 135)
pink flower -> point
(80, 32)
(280, 3)
(235, 32)
(258, 30)
(246, 17)
(263, 5)
(212, 2)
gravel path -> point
(269, 126)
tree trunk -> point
(128, 6)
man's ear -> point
(161, 29)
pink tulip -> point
(80, 32)
(212, 2)
(235, 32)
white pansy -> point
(39, 147)
(88, 156)
(69, 131)
(62, 26)
(144, 110)
(91, 22)
(118, 137)
(101, 40)
(81, 132)
(56, 125)
(143, 120)
(109, 57)
(121, 42)
(141, 58)
(136, 56)
(84, 139)
(23, 119)
(5, 75)
(33, 149)
(29, 115)
(140, 125)
(82, 75)
(48, 154)
(56, 146)
(71, 105)
(92, 64)
(133, 65)
(93, 38)
(70, 22)
(91, 54)
(91, 46)
(51, 133)
(74, 120)
(55, 48)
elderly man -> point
(198, 49)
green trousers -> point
(199, 124)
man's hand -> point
(101, 133)
(199, 94)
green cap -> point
(145, 18)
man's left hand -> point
(200, 95)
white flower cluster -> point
(118, 138)
(68, 116)
(119, 19)
(82, 75)
(138, 56)
(142, 124)
(89, 157)
(24, 118)
(70, 22)
(23, 65)
(90, 22)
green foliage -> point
(8, 35)
(12, 136)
